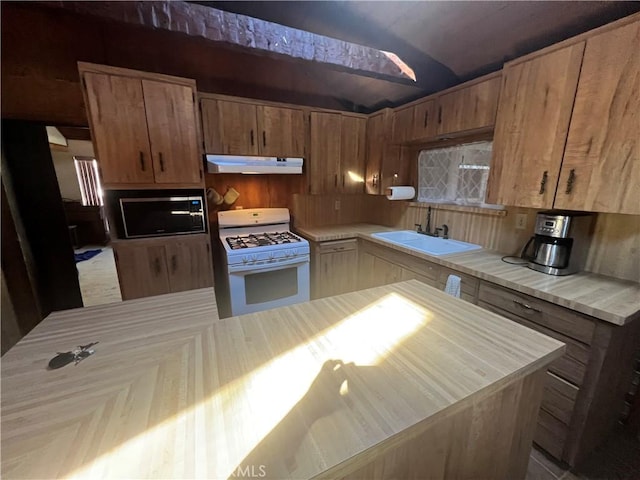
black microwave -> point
(152, 217)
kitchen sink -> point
(424, 243)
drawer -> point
(468, 283)
(538, 311)
(551, 434)
(338, 246)
(572, 365)
(559, 397)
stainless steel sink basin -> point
(424, 243)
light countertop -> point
(606, 298)
(174, 392)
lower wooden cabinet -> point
(334, 267)
(161, 265)
(585, 389)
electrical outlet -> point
(521, 221)
(336, 205)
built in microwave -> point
(152, 217)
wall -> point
(614, 246)
(256, 191)
(65, 168)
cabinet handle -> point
(174, 264)
(252, 137)
(570, 180)
(440, 114)
(543, 182)
(142, 161)
(161, 161)
(156, 265)
(343, 179)
(426, 118)
(526, 306)
(264, 138)
(374, 180)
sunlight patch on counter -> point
(242, 413)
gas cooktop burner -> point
(261, 240)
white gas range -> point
(266, 265)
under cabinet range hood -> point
(251, 164)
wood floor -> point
(98, 278)
(617, 459)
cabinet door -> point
(119, 128)
(377, 126)
(470, 108)
(171, 119)
(352, 155)
(189, 263)
(402, 125)
(338, 273)
(424, 120)
(230, 127)
(601, 165)
(142, 270)
(374, 271)
(281, 132)
(324, 161)
(531, 128)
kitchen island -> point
(396, 381)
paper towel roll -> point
(401, 193)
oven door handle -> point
(266, 267)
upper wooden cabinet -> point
(531, 127)
(143, 127)
(469, 108)
(383, 167)
(460, 110)
(337, 153)
(240, 128)
(601, 165)
(567, 127)
(415, 122)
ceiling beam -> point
(249, 34)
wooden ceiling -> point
(445, 43)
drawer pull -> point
(527, 306)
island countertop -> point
(174, 392)
(609, 299)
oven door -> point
(253, 288)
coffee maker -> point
(559, 246)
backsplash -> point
(614, 249)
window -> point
(89, 180)
(455, 174)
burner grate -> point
(261, 240)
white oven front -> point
(253, 288)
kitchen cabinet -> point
(531, 127)
(337, 153)
(601, 164)
(468, 283)
(415, 122)
(467, 108)
(161, 265)
(472, 107)
(334, 267)
(144, 127)
(241, 128)
(385, 165)
(567, 131)
(585, 388)
(378, 265)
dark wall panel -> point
(29, 168)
